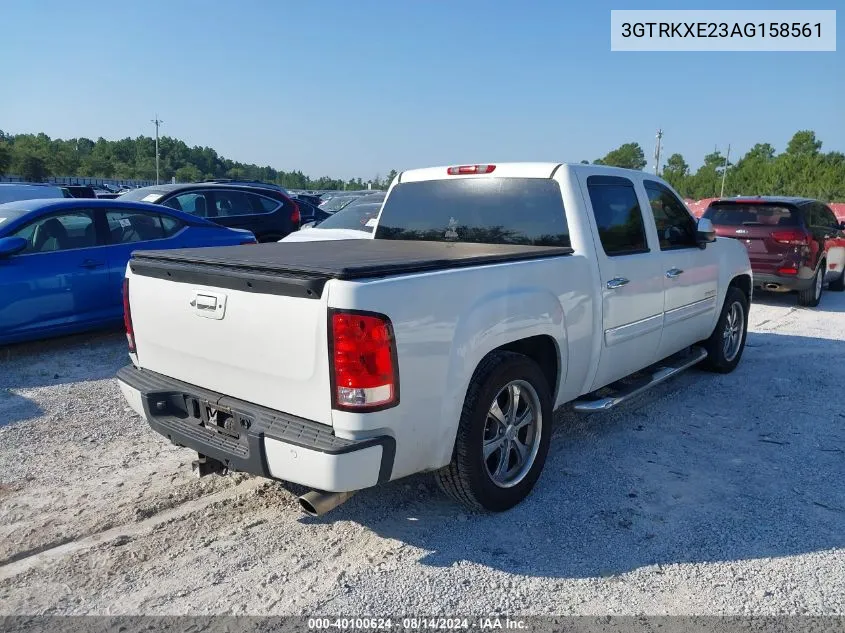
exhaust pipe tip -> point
(317, 504)
(307, 506)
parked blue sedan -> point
(62, 261)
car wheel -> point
(503, 435)
(727, 342)
(837, 285)
(810, 297)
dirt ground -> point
(709, 495)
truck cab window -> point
(618, 215)
(527, 211)
(675, 226)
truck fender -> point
(495, 320)
(734, 263)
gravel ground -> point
(709, 495)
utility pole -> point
(657, 153)
(725, 171)
(157, 124)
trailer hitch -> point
(203, 466)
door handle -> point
(616, 282)
(674, 272)
(91, 263)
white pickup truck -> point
(490, 296)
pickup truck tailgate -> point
(246, 333)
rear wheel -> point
(503, 435)
(810, 297)
(727, 342)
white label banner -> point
(728, 30)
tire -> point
(723, 358)
(468, 478)
(839, 284)
(810, 297)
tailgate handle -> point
(209, 305)
(206, 302)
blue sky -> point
(351, 88)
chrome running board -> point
(656, 374)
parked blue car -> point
(62, 261)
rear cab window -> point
(525, 211)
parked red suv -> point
(793, 243)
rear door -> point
(690, 273)
(128, 231)
(631, 279)
(59, 279)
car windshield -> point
(337, 203)
(733, 214)
(356, 216)
(144, 194)
(9, 213)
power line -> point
(157, 122)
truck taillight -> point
(364, 369)
(127, 317)
(793, 237)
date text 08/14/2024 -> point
(417, 623)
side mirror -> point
(11, 245)
(842, 226)
(705, 233)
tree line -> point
(37, 157)
(801, 170)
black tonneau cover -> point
(303, 268)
